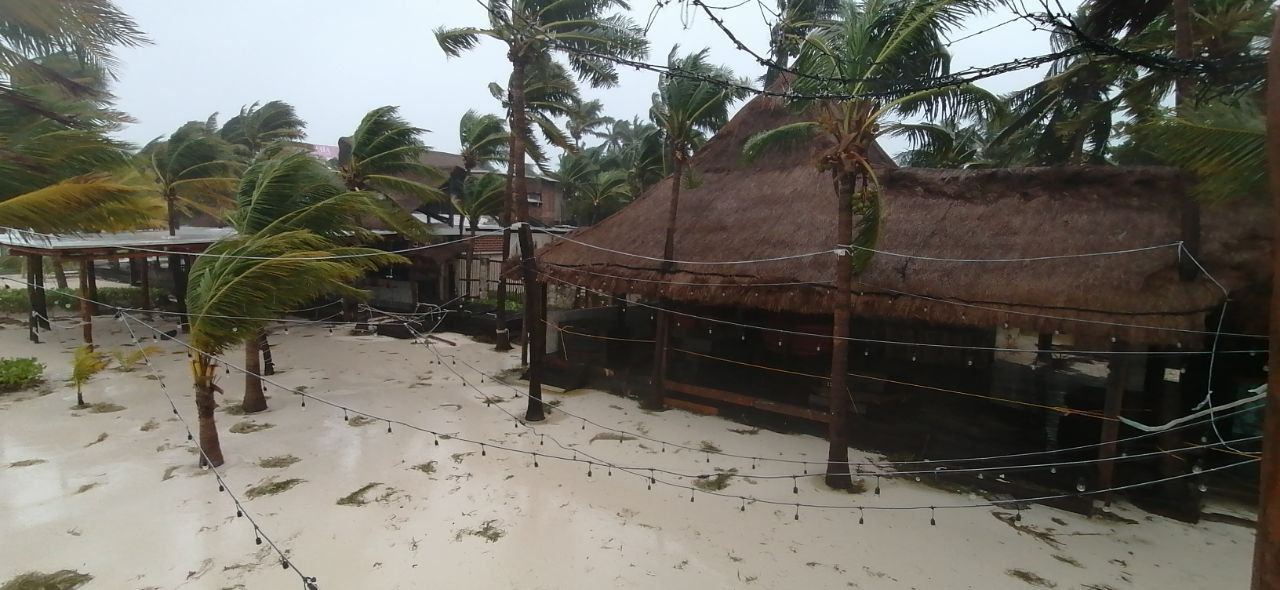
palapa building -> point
(964, 319)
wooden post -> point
(86, 311)
(501, 337)
(42, 297)
(1266, 547)
(536, 333)
(146, 283)
(91, 272)
(1117, 377)
(1169, 409)
(653, 401)
(33, 327)
(179, 274)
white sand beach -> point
(135, 511)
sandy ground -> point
(150, 518)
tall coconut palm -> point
(587, 118)
(260, 276)
(583, 32)
(549, 93)
(873, 54)
(298, 192)
(532, 31)
(258, 126)
(795, 19)
(89, 30)
(685, 110)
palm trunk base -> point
(209, 445)
(254, 399)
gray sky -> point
(336, 59)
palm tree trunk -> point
(519, 185)
(60, 274)
(837, 432)
(1266, 548)
(170, 203)
(254, 399)
(205, 405)
(268, 364)
(662, 331)
(79, 397)
(501, 338)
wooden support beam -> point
(91, 271)
(86, 311)
(145, 277)
(1117, 377)
(33, 328)
(661, 345)
(739, 399)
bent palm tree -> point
(258, 126)
(795, 19)
(384, 156)
(260, 276)
(298, 192)
(86, 364)
(874, 53)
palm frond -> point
(784, 138)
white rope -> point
(1025, 259)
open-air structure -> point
(1002, 310)
(136, 246)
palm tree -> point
(194, 171)
(1069, 116)
(298, 192)
(533, 30)
(1225, 148)
(89, 30)
(484, 141)
(384, 156)
(873, 54)
(481, 196)
(795, 19)
(549, 92)
(602, 195)
(56, 176)
(260, 276)
(86, 364)
(258, 126)
(953, 142)
(587, 118)
(686, 110)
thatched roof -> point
(782, 206)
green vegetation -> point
(357, 498)
(128, 359)
(715, 483)
(27, 462)
(278, 462)
(86, 363)
(1030, 578)
(429, 467)
(15, 300)
(271, 487)
(20, 373)
(59, 580)
(250, 426)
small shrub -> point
(20, 373)
(15, 300)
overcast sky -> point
(336, 59)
